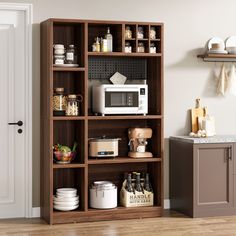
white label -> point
(70, 56)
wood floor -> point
(171, 224)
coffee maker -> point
(138, 142)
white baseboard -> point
(166, 203)
(36, 212)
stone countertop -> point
(213, 139)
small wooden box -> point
(136, 199)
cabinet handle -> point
(230, 153)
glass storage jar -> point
(140, 33)
(59, 102)
(128, 47)
(72, 108)
(128, 32)
(71, 55)
(153, 48)
(141, 47)
(152, 33)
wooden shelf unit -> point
(65, 130)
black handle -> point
(19, 123)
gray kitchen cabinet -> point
(202, 176)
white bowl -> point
(65, 208)
(65, 199)
(74, 203)
(66, 190)
(66, 194)
(58, 46)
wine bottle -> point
(109, 38)
(129, 186)
(147, 185)
(138, 186)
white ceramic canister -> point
(103, 195)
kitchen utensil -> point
(138, 142)
(65, 198)
(103, 147)
(195, 113)
(103, 195)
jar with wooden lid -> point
(141, 47)
(152, 32)
(73, 101)
(128, 47)
(71, 55)
(59, 102)
(153, 48)
(128, 32)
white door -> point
(12, 97)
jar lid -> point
(59, 89)
(71, 46)
(72, 96)
(104, 139)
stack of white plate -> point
(66, 199)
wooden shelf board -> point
(131, 39)
(135, 54)
(143, 39)
(218, 57)
(68, 166)
(106, 214)
(68, 68)
(155, 40)
(123, 117)
(122, 160)
(68, 118)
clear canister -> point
(59, 102)
(71, 55)
(72, 108)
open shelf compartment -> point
(115, 173)
(73, 83)
(73, 33)
(114, 129)
(66, 133)
(70, 178)
(100, 30)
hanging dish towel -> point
(232, 81)
(222, 81)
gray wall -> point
(188, 26)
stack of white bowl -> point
(66, 199)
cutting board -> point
(195, 113)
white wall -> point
(188, 25)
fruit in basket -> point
(63, 154)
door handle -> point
(19, 123)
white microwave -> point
(120, 99)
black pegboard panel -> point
(104, 67)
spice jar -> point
(59, 102)
(71, 55)
(128, 32)
(72, 108)
(140, 33)
(59, 59)
(153, 48)
(152, 33)
(141, 47)
(128, 47)
(96, 45)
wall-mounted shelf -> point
(218, 57)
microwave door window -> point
(121, 99)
